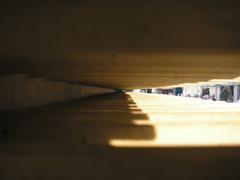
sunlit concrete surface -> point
(180, 121)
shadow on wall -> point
(93, 120)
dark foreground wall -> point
(20, 91)
(121, 44)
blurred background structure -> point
(224, 90)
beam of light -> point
(185, 122)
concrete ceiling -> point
(121, 44)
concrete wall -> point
(19, 91)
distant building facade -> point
(224, 91)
